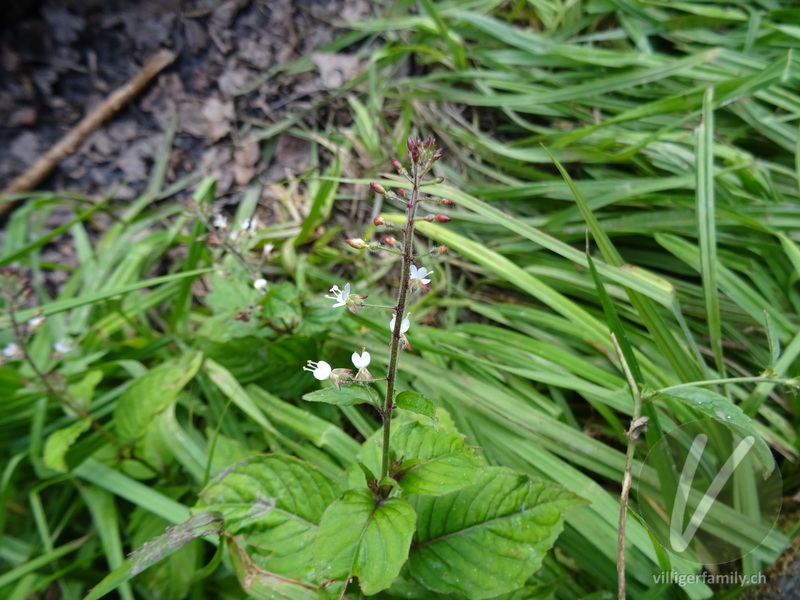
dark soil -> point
(59, 62)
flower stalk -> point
(422, 158)
(423, 153)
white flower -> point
(362, 361)
(62, 346)
(267, 250)
(420, 275)
(339, 295)
(249, 225)
(321, 370)
(404, 325)
(11, 350)
(260, 285)
(35, 322)
(220, 221)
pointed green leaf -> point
(416, 403)
(721, 409)
(273, 504)
(263, 585)
(151, 394)
(359, 536)
(347, 396)
(433, 462)
(60, 441)
(489, 538)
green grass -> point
(690, 200)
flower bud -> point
(378, 188)
(443, 249)
(389, 241)
(446, 202)
(397, 165)
(441, 218)
(410, 143)
(357, 243)
(401, 192)
(437, 155)
(377, 221)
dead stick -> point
(36, 173)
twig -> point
(37, 172)
(638, 424)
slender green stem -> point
(376, 306)
(637, 426)
(402, 297)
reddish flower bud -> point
(378, 188)
(397, 164)
(446, 202)
(377, 221)
(357, 243)
(389, 241)
(401, 192)
(443, 249)
(437, 155)
(442, 218)
(410, 143)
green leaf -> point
(199, 525)
(721, 409)
(231, 290)
(83, 390)
(263, 585)
(773, 339)
(347, 396)
(434, 462)
(273, 504)
(706, 227)
(282, 310)
(489, 538)
(359, 536)
(56, 446)
(159, 580)
(151, 394)
(416, 403)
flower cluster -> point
(321, 370)
(397, 239)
